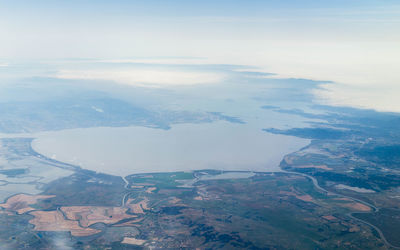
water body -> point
(185, 147)
(15, 188)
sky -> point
(355, 44)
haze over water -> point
(185, 147)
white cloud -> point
(144, 77)
(189, 60)
(365, 72)
(381, 99)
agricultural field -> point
(205, 209)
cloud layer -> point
(144, 77)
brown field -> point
(304, 197)
(357, 206)
(329, 217)
(150, 190)
(137, 208)
(198, 198)
(55, 221)
(342, 199)
(131, 223)
(20, 203)
(175, 200)
(133, 241)
(325, 167)
(89, 215)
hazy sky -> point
(354, 43)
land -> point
(20, 203)
(341, 191)
(89, 210)
(359, 150)
(283, 210)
